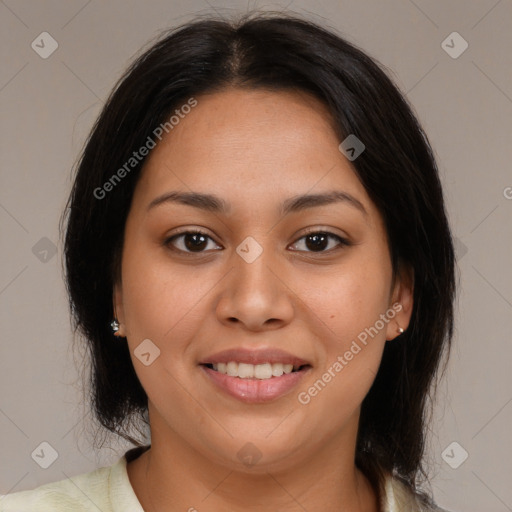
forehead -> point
(251, 147)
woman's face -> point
(255, 283)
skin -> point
(254, 149)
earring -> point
(400, 330)
(115, 327)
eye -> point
(191, 241)
(317, 241)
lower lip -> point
(255, 391)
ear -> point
(117, 298)
(401, 301)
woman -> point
(259, 259)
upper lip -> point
(254, 356)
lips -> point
(227, 370)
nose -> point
(256, 295)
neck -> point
(173, 476)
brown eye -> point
(190, 241)
(318, 241)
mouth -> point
(254, 376)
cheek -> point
(347, 306)
(160, 298)
(348, 300)
(162, 302)
(161, 305)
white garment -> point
(108, 489)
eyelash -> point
(342, 241)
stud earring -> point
(400, 330)
(115, 327)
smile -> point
(252, 384)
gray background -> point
(49, 105)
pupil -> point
(319, 241)
(199, 241)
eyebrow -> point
(212, 203)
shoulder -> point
(83, 492)
(80, 493)
(396, 496)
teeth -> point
(232, 369)
(263, 371)
(245, 371)
(277, 370)
(250, 371)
